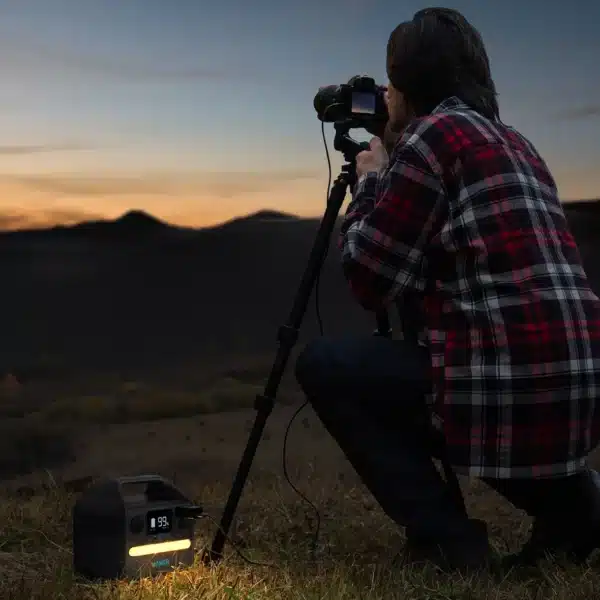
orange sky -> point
(111, 106)
(193, 200)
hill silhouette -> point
(134, 222)
(137, 292)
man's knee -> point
(362, 364)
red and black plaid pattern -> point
(466, 219)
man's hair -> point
(437, 55)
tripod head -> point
(350, 148)
(342, 142)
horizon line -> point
(267, 212)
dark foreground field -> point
(124, 431)
(131, 348)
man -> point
(461, 228)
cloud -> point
(67, 185)
(230, 185)
(216, 185)
(26, 149)
(580, 113)
(13, 219)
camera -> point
(360, 100)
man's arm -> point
(386, 228)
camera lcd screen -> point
(363, 103)
(159, 521)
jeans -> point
(369, 394)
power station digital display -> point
(159, 521)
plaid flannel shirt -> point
(466, 221)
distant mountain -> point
(591, 205)
(133, 225)
(137, 292)
(135, 222)
(256, 219)
(268, 215)
(138, 225)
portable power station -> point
(132, 527)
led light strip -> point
(148, 549)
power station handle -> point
(154, 487)
(140, 479)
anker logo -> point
(163, 562)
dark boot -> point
(467, 553)
(569, 530)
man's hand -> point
(374, 159)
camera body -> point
(360, 100)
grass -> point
(358, 549)
(355, 560)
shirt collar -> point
(450, 104)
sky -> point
(198, 111)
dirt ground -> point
(201, 450)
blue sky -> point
(198, 111)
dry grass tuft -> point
(355, 558)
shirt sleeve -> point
(387, 226)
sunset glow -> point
(197, 114)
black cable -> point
(318, 282)
(315, 536)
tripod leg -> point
(287, 337)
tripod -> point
(288, 335)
